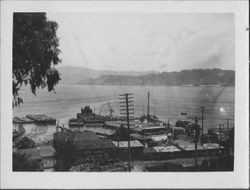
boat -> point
(87, 116)
(73, 122)
(22, 120)
(42, 119)
(149, 118)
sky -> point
(146, 41)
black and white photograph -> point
(124, 92)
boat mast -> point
(110, 110)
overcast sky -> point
(146, 41)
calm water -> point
(165, 102)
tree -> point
(26, 143)
(35, 53)
(21, 162)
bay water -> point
(166, 102)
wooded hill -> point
(195, 77)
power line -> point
(126, 108)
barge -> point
(42, 119)
(22, 120)
(73, 122)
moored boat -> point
(42, 119)
(73, 122)
(22, 120)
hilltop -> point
(193, 77)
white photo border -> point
(237, 179)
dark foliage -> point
(222, 163)
(64, 151)
(231, 139)
(121, 134)
(21, 162)
(35, 52)
(26, 143)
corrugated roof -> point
(166, 149)
(124, 144)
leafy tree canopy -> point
(35, 52)
(21, 162)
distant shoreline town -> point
(195, 77)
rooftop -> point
(159, 137)
(124, 144)
(46, 151)
(148, 128)
(94, 144)
(191, 147)
(166, 149)
(212, 146)
(85, 136)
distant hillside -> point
(194, 77)
(73, 75)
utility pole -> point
(196, 140)
(126, 108)
(227, 127)
(220, 125)
(202, 118)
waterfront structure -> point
(87, 146)
(136, 149)
(83, 147)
